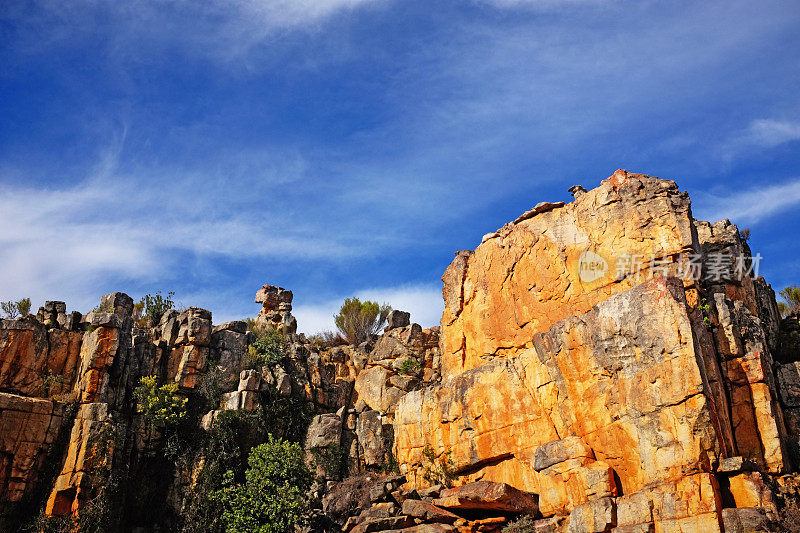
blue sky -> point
(340, 147)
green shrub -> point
(273, 497)
(705, 310)
(161, 406)
(410, 366)
(357, 320)
(14, 309)
(224, 448)
(391, 466)
(24, 306)
(326, 339)
(155, 305)
(268, 349)
(49, 381)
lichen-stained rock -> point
(99, 349)
(756, 416)
(194, 327)
(623, 377)
(557, 264)
(374, 438)
(36, 361)
(690, 500)
(186, 364)
(574, 482)
(789, 383)
(276, 310)
(596, 516)
(750, 489)
(557, 451)
(228, 345)
(28, 426)
(87, 463)
(748, 520)
(373, 386)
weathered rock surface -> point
(530, 276)
(28, 426)
(596, 349)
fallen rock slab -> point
(383, 524)
(427, 512)
(489, 496)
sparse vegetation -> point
(139, 319)
(745, 234)
(410, 366)
(357, 320)
(12, 309)
(791, 295)
(391, 466)
(161, 406)
(330, 459)
(155, 305)
(705, 310)
(438, 470)
(326, 339)
(272, 498)
(523, 524)
(268, 349)
(50, 381)
(24, 306)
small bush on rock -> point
(273, 497)
(410, 366)
(14, 309)
(523, 524)
(155, 305)
(268, 349)
(161, 406)
(358, 320)
(792, 297)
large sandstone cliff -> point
(605, 364)
(590, 353)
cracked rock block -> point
(28, 426)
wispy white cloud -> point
(226, 30)
(769, 133)
(424, 302)
(758, 136)
(748, 206)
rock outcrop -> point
(598, 355)
(609, 364)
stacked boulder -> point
(276, 310)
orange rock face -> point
(91, 447)
(35, 361)
(97, 355)
(588, 357)
(622, 377)
(559, 263)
